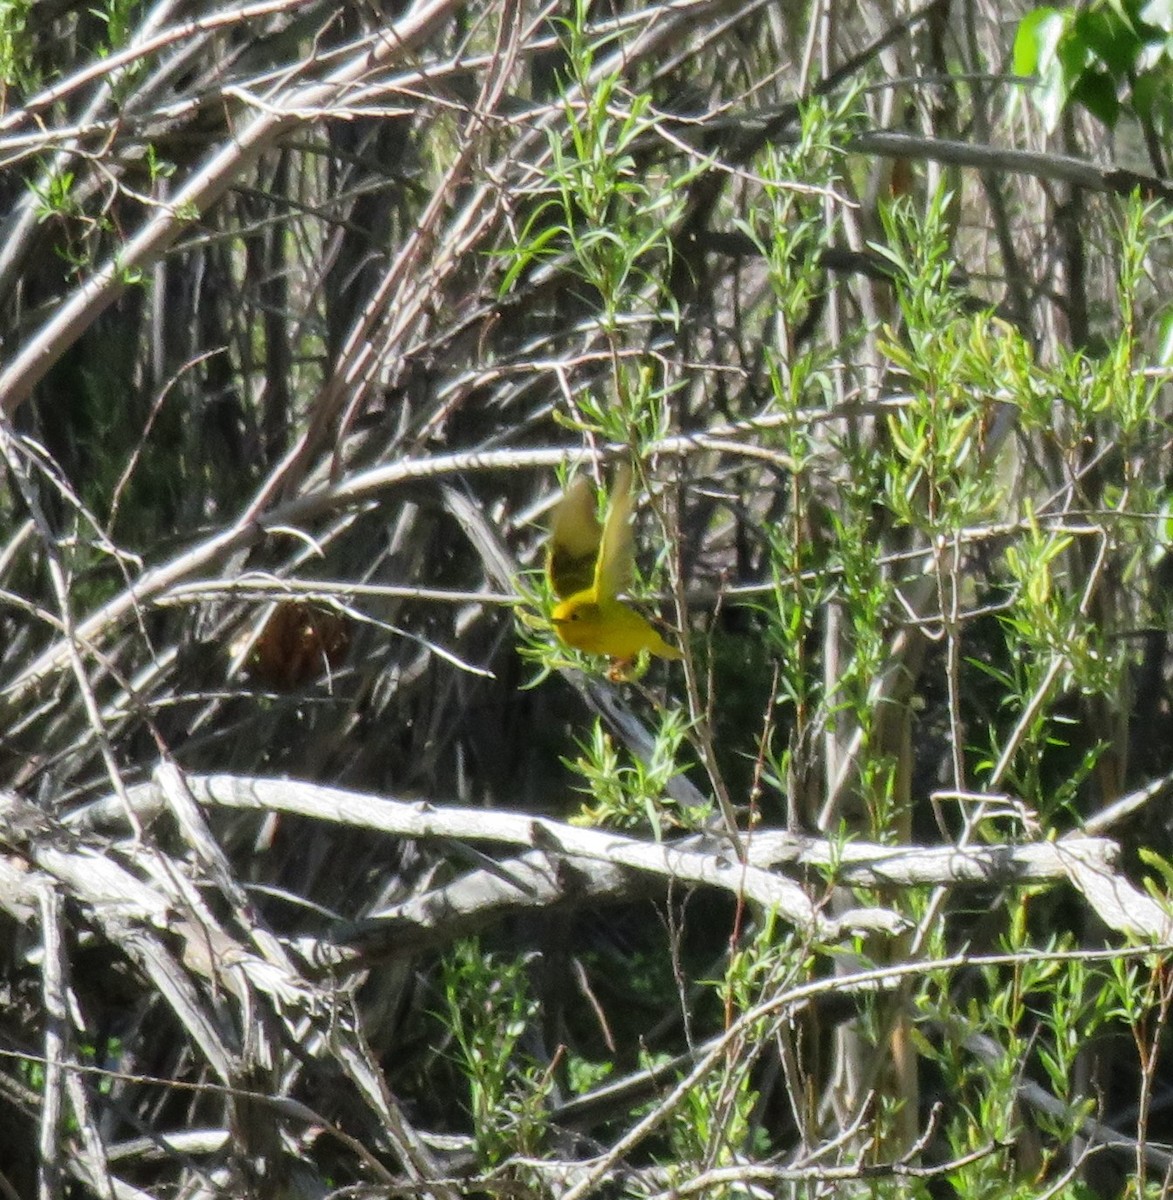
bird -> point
(588, 566)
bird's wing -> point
(614, 568)
(575, 536)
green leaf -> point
(1105, 33)
(1034, 43)
(1096, 91)
(1165, 338)
(1161, 866)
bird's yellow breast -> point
(607, 627)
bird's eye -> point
(574, 616)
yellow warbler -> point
(589, 566)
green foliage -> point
(633, 794)
(119, 18)
(16, 46)
(488, 1012)
(54, 197)
(904, 487)
(603, 218)
(1108, 57)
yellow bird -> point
(588, 566)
